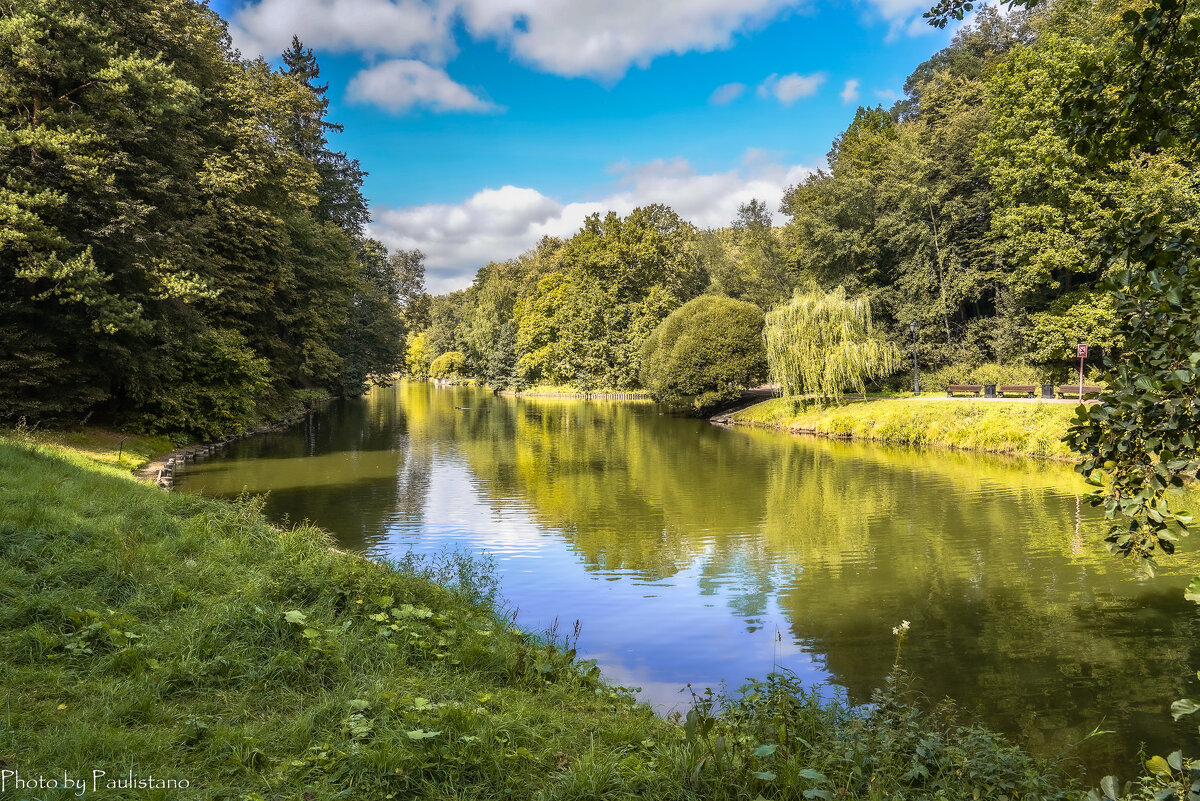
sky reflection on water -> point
(695, 554)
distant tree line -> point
(963, 209)
(180, 247)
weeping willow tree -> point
(824, 344)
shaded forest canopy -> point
(180, 248)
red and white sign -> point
(1081, 351)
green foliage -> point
(823, 344)
(542, 353)
(628, 274)
(577, 311)
(167, 202)
(1124, 115)
(373, 345)
(418, 355)
(902, 215)
(748, 260)
(985, 373)
(783, 740)
(203, 386)
(708, 350)
(449, 365)
(408, 267)
(1088, 317)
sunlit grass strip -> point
(1034, 429)
(104, 446)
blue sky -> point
(484, 124)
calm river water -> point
(692, 553)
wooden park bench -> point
(1072, 390)
(1025, 390)
(964, 389)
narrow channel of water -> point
(692, 553)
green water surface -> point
(697, 554)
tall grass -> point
(188, 639)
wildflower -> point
(901, 629)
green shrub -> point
(985, 373)
(449, 365)
(706, 351)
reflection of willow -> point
(1004, 607)
(631, 489)
(1010, 616)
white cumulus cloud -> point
(562, 37)
(726, 93)
(601, 40)
(496, 224)
(376, 27)
(787, 89)
(849, 92)
(403, 84)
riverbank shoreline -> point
(1028, 428)
(149, 457)
(169, 626)
(570, 393)
(163, 469)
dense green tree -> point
(488, 330)
(409, 267)
(375, 332)
(168, 212)
(705, 352)
(451, 364)
(339, 193)
(100, 142)
(627, 275)
(445, 313)
(903, 213)
(542, 358)
(418, 355)
(1138, 108)
(748, 260)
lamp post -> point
(912, 328)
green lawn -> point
(1028, 428)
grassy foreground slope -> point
(188, 640)
(1035, 429)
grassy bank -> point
(99, 446)
(1035, 429)
(189, 640)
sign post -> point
(1081, 350)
